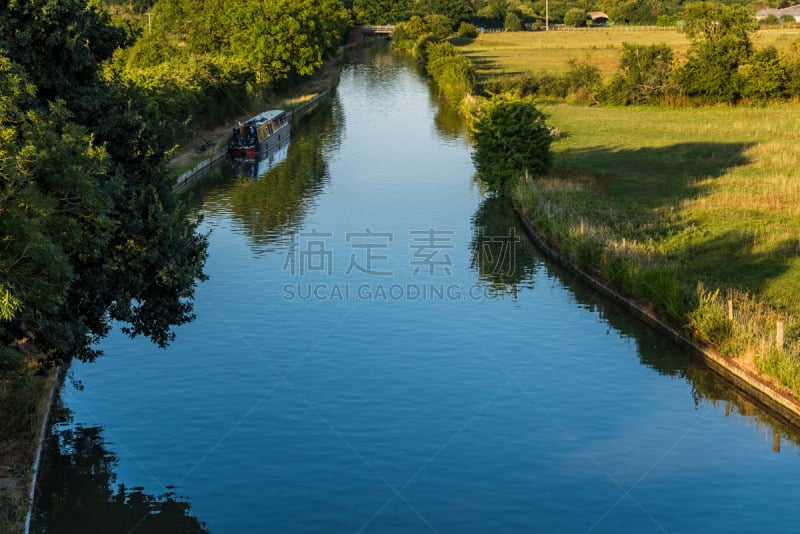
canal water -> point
(379, 349)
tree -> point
(576, 18)
(720, 44)
(643, 77)
(456, 10)
(91, 230)
(382, 11)
(764, 76)
(511, 139)
(439, 25)
(281, 37)
(512, 22)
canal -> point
(380, 349)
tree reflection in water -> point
(500, 252)
(76, 491)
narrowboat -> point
(261, 133)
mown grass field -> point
(507, 53)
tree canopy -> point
(90, 230)
(511, 138)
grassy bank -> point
(696, 210)
(663, 200)
(509, 53)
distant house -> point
(793, 11)
(598, 18)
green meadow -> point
(714, 190)
(507, 53)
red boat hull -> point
(248, 153)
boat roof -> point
(265, 116)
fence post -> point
(730, 309)
(779, 335)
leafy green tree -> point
(770, 19)
(281, 37)
(91, 231)
(633, 11)
(59, 44)
(439, 25)
(382, 11)
(511, 139)
(764, 76)
(790, 59)
(407, 33)
(512, 22)
(643, 77)
(455, 10)
(576, 18)
(720, 44)
(467, 30)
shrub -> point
(512, 22)
(452, 72)
(468, 31)
(764, 77)
(790, 59)
(406, 34)
(643, 77)
(439, 25)
(581, 76)
(662, 287)
(581, 80)
(708, 319)
(511, 138)
(576, 18)
(770, 19)
(667, 20)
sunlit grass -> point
(520, 52)
(718, 189)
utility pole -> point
(547, 15)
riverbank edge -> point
(295, 114)
(59, 373)
(774, 398)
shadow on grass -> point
(642, 186)
(734, 261)
(461, 41)
(656, 176)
